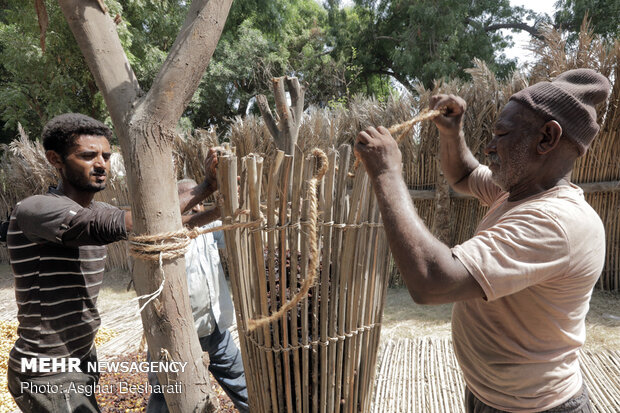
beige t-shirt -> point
(537, 261)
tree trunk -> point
(145, 127)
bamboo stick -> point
(370, 277)
(326, 301)
(345, 299)
(303, 269)
(272, 186)
(227, 176)
(264, 334)
(378, 308)
(297, 182)
(250, 290)
(287, 170)
(340, 212)
(359, 279)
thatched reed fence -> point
(452, 218)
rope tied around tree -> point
(312, 223)
(174, 244)
(170, 245)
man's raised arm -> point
(457, 161)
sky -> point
(521, 39)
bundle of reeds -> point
(317, 352)
(24, 170)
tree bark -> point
(145, 126)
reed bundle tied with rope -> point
(309, 283)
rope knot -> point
(164, 246)
(322, 163)
(193, 233)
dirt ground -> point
(403, 318)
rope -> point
(356, 226)
(402, 129)
(314, 252)
(174, 244)
(154, 294)
(310, 345)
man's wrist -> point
(387, 176)
(452, 135)
(208, 187)
(211, 187)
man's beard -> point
(508, 171)
(78, 181)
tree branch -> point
(102, 6)
(297, 99)
(263, 106)
(289, 117)
(43, 17)
(514, 25)
(387, 38)
(284, 114)
(96, 35)
(507, 25)
(402, 79)
(187, 60)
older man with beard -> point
(523, 283)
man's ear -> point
(54, 159)
(551, 132)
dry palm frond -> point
(190, 151)
(30, 163)
(551, 53)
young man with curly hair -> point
(56, 244)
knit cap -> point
(570, 99)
